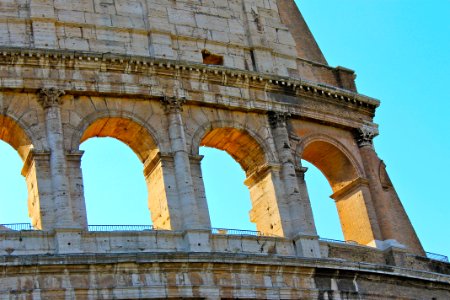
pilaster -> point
(300, 217)
(269, 210)
(199, 189)
(75, 178)
(50, 100)
(300, 220)
(36, 170)
(163, 201)
(173, 107)
(393, 221)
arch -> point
(346, 178)
(331, 157)
(144, 141)
(16, 134)
(124, 126)
(19, 137)
(254, 156)
(244, 145)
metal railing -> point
(436, 256)
(105, 228)
(338, 241)
(16, 226)
(227, 231)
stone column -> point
(393, 221)
(36, 171)
(269, 210)
(305, 201)
(199, 190)
(182, 165)
(163, 201)
(300, 220)
(75, 178)
(51, 100)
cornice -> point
(130, 64)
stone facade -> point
(166, 77)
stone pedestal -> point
(307, 246)
(68, 241)
(197, 240)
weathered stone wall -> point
(138, 101)
(166, 77)
(199, 276)
(250, 35)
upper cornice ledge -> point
(274, 82)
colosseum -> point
(166, 77)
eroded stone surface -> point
(138, 71)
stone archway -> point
(350, 188)
(141, 139)
(261, 170)
(16, 135)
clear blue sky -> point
(400, 51)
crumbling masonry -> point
(166, 77)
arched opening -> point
(113, 174)
(247, 150)
(350, 189)
(13, 186)
(332, 162)
(228, 198)
(114, 188)
(22, 203)
(324, 209)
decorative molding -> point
(258, 173)
(300, 172)
(173, 104)
(349, 188)
(152, 162)
(50, 97)
(141, 64)
(34, 155)
(278, 119)
(365, 136)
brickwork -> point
(165, 78)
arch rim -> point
(78, 131)
(309, 139)
(209, 126)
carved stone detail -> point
(365, 136)
(173, 104)
(278, 119)
(50, 97)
